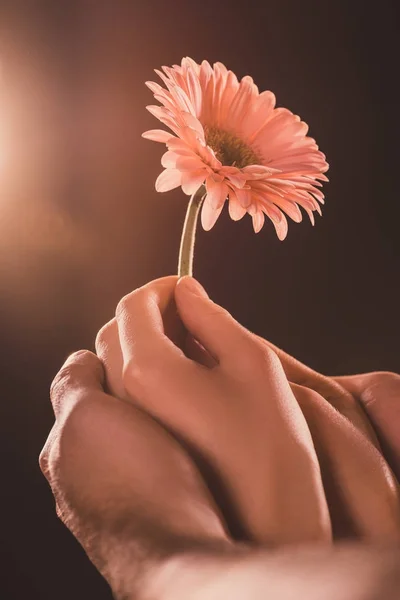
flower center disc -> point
(230, 149)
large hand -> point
(124, 487)
(135, 502)
(344, 415)
(239, 418)
(258, 454)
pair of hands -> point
(210, 435)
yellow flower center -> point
(230, 149)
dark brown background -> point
(81, 224)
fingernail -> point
(194, 286)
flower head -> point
(230, 138)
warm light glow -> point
(3, 130)
(1, 136)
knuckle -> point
(268, 355)
(136, 375)
(259, 357)
(124, 306)
(64, 379)
(121, 308)
(388, 378)
(104, 335)
(383, 384)
(70, 389)
(46, 452)
(74, 369)
(44, 460)
(262, 351)
(307, 398)
(142, 374)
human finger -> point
(108, 349)
(242, 422)
(82, 373)
(361, 491)
(141, 329)
(333, 392)
(216, 330)
(108, 343)
(109, 463)
(379, 394)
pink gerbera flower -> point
(231, 139)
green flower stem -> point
(186, 251)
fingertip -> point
(82, 367)
(189, 284)
(168, 280)
(162, 289)
(81, 357)
(82, 372)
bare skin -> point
(290, 429)
(209, 406)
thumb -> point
(220, 334)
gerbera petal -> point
(270, 209)
(244, 196)
(287, 204)
(192, 122)
(189, 163)
(157, 135)
(163, 115)
(194, 90)
(258, 221)
(290, 208)
(259, 171)
(258, 116)
(281, 228)
(168, 102)
(311, 216)
(221, 77)
(221, 67)
(154, 87)
(231, 86)
(168, 160)
(236, 210)
(190, 136)
(168, 180)
(209, 215)
(231, 138)
(191, 63)
(237, 180)
(217, 192)
(180, 146)
(192, 180)
(234, 176)
(182, 97)
(241, 102)
(307, 203)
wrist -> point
(348, 572)
(154, 567)
(197, 572)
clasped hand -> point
(189, 431)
